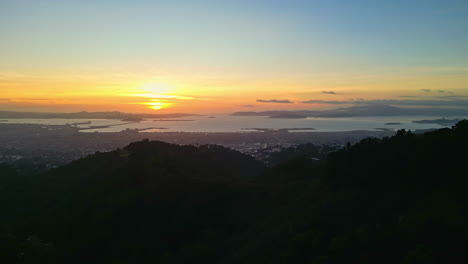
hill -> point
(393, 200)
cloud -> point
(275, 101)
(439, 91)
(328, 92)
(328, 102)
(248, 105)
(444, 91)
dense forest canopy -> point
(400, 199)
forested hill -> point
(395, 200)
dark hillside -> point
(145, 201)
(395, 200)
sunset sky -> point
(224, 56)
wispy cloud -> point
(438, 91)
(327, 102)
(160, 96)
(444, 91)
(328, 92)
(248, 105)
(275, 101)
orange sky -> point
(223, 93)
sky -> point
(225, 56)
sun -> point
(157, 105)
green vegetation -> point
(395, 200)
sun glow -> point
(156, 96)
(163, 96)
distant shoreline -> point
(442, 121)
(175, 120)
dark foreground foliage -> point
(396, 200)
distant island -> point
(132, 119)
(392, 123)
(91, 115)
(359, 111)
(383, 129)
(442, 121)
(80, 123)
(288, 116)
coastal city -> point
(58, 144)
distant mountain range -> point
(90, 115)
(359, 111)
